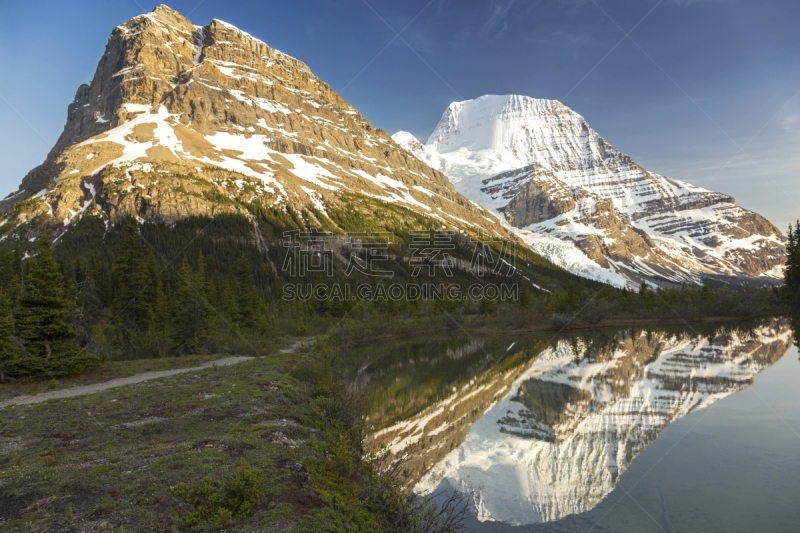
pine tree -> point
(8, 347)
(788, 274)
(154, 296)
(88, 310)
(194, 321)
(130, 306)
(200, 282)
(792, 272)
(227, 300)
(209, 313)
(101, 273)
(41, 321)
(182, 326)
(43, 309)
(794, 258)
(6, 270)
(17, 261)
(246, 300)
(10, 273)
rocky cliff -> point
(183, 120)
(589, 207)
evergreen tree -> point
(200, 281)
(193, 326)
(88, 310)
(41, 321)
(130, 303)
(154, 296)
(8, 347)
(246, 316)
(10, 273)
(794, 258)
(792, 272)
(227, 299)
(6, 270)
(789, 272)
(210, 313)
(17, 261)
(101, 273)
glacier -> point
(574, 198)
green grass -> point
(107, 370)
(113, 457)
(269, 444)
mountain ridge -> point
(590, 208)
(182, 120)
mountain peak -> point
(162, 15)
(182, 120)
(163, 9)
(587, 206)
(490, 122)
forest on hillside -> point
(221, 285)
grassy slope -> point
(107, 461)
(107, 371)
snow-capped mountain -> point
(552, 437)
(585, 205)
(182, 120)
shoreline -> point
(501, 329)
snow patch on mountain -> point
(539, 165)
(568, 256)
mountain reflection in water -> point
(544, 432)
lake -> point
(693, 428)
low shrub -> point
(218, 502)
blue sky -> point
(704, 91)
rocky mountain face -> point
(183, 120)
(550, 438)
(583, 204)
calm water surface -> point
(682, 429)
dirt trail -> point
(114, 383)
